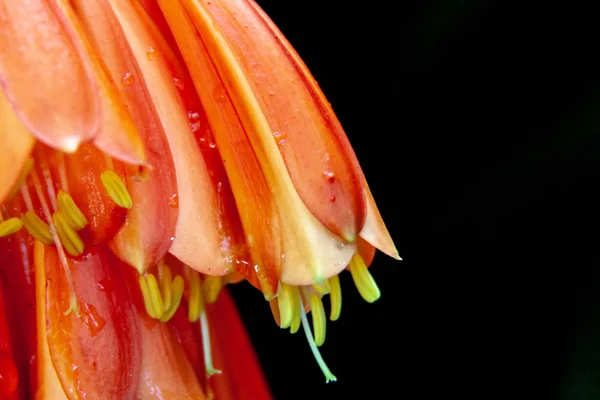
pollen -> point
(335, 297)
(71, 213)
(161, 296)
(286, 304)
(116, 189)
(211, 287)
(37, 228)
(10, 226)
(69, 238)
(363, 279)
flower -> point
(154, 152)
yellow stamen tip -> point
(296, 319)
(285, 302)
(318, 318)
(116, 189)
(335, 297)
(69, 238)
(72, 214)
(322, 288)
(146, 296)
(211, 286)
(37, 228)
(155, 296)
(10, 226)
(363, 280)
(196, 302)
(177, 286)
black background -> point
(477, 125)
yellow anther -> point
(176, 295)
(146, 296)
(155, 296)
(296, 319)
(10, 226)
(36, 227)
(318, 319)
(211, 287)
(363, 280)
(285, 302)
(164, 279)
(116, 188)
(72, 214)
(323, 287)
(196, 302)
(335, 297)
(20, 179)
(69, 239)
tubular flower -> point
(155, 151)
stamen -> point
(68, 237)
(322, 288)
(73, 306)
(363, 280)
(20, 179)
(285, 301)
(329, 377)
(72, 214)
(10, 226)
(146, 296)
(196, 302)
(176, 295)
(335, 297)
(155, 296)
(47, 178)
(296, 319)
(211, 286)
(62, 171)
(206, 349)
(36, 227)
(318, 318)
(164, 278)
(26, 196)
(116, 188)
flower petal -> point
(316, 152)
(9, 375)
(310, 251)
(16, 144)
(98, 352)
(46, 58)
(149, 228)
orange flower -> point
(185, 139)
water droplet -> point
(193, 116)
(106, 285)
(195, 127)
(332, 199)
(208, 140)
(91, 319)
(174, 201)
(127, 79)
(329, 175)
(271, 93)
(219, 94)
(151, 54)
(172, 238)
(178, 84)
(280, 138)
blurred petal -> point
(62, 111)
(9, 375)
(103, 342)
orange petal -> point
(149, 227)
(38, 52)
(198, 241)
(242, 377)
(374, 230)
(96, 355)
(9, 375)
(117, 135)
(316, 152)
(275, 219)
(18, 282)
(249, 187)
(16, 144)
(166, 371)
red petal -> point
(96, 355)
(38, 53)
(9, 376)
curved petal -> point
(46, 58)
(96, 354)
(149, 228)
(9, 375)
(16, 144)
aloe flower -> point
(153, 152)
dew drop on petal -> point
(178, 83)
(280, 138)
(127, 79)
(151, 54)
(91, 319)
(174, 201)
